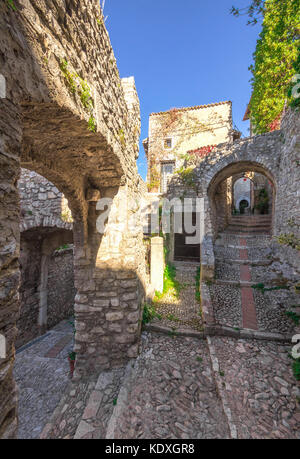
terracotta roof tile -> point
(197, 107)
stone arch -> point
(219, 222)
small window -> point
(168, 143)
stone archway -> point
(87, 147)
(219, 204)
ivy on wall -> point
(276, 61)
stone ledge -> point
(178, 332)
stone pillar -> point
(43, 292)
(157, 263)
(109, 289)
(10, 140)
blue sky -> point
(183, 53)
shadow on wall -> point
(47, 281)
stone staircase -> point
(249, 224)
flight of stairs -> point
(249, 224)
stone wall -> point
(287, 203)
(42, 204)
(30, 264)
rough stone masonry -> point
(69, 117)
(86, 144)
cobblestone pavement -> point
(241, 262)
(187, 388)
(182, 311)
(259, 387)
(42, 374)
(173, 394)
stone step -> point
(250, 222)
(186, 265)
(245, 232)
(252, 217)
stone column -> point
(43, 292)
(10, 140)
(109, 289)
(157, 263)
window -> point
(168, 143)
(167, 169)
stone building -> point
(179, 132)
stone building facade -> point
(179, 132)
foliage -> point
(183, 126)
(79, 86)
(254, 11)
(263, 201)
(11, 4)
(72, 355)
(274, 60)
(122, 137)
(92, 124)
(63, 247)
(263, 289)
(289, 239)
(154, 177)
(72, 323)
(172, 318)
(296, 368)
(170, 282)
(187, 176)
(293, 316)
(149, 313)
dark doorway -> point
(184, 251)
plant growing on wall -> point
(80, 87)
(187, 176)
(275, 57)
(154, 183)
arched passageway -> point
(237, 193)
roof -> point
(247, 113)
(196, 107)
